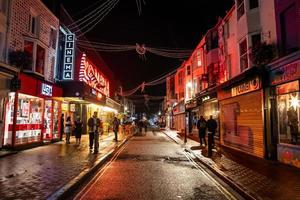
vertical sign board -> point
(69, 57)
(46, 90)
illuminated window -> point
(243, 55)
(226, 30)
(288, 109)
(38, 54)
(40, 60)
(29, 47)
(240, 8)
(199, 57)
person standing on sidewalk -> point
(78, 130)
(201, 125)
(94, 124)
(68, 128)
(116, 124)
(212, 127)
(62, 126)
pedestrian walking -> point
(78, 130)
(212, 127)
(116, 124)
(95, 125)
(201, 125)
(68, 127)
(62, 126)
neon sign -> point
(69, 57)
(92, 76)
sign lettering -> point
(286, 73)
(69, 57)
(246, 87)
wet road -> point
(154, 167)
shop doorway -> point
(2, 119)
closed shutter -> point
(242, 124)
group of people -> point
(210, 125)
(95, 128)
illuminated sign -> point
(92, 76)
(69, 57)
(286, 73)
(246, 87)
(72, 107)
(46, 90)
(205, 98)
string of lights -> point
(97, 20)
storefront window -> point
(56, 120)
(288, 113)
(212, 108)
(29, 119)
(47, 120)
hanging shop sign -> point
(249, 86)
(92, 76)
(69, 57)
(286, 73)
(46, 90)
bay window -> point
(38, 55)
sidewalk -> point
(39, 172)
(257, 178)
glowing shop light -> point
(294, 102)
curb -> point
(8, 154)
(65, 191)
(240, 189)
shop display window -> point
(29, 119)
(288, 104)
(212, 108)
(56, 120)
(48, 120)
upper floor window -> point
(289, 29)
(188, 70)
(240, 8)
(33, 24)
(253, 4)
(3, 6)
(256, 40)
(38, 55)
(226, 30)
(180, 78)
(243, 55)
(199, 57)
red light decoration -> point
(91, 75)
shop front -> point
(32, 113)
(192, 116)
(7, 74)
(208, 105)
(180, 120)
(285, 115)
(242, 116)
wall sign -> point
(69, 57)
(286, 73)
(92, 76)
(47, 90)
(206, 98)
(249, 86)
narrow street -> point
(152, 166)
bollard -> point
(209, 146)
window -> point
(188, 70)
(40, 60)
(180, 78)
(243, 55)
(53, 36)
(29, 47)
(226, 30)
(256, 40)
(289, 29)
(199, 57)
(228, 66)
(253, 4)
(33, 24)
(38, 55)
(3, 6)
(240, 8)
(288, 113)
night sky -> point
(172, 24)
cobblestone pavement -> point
(37, 173)
(261, 178)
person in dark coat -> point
(62, 126)
(201, 125)
(212, 127)
(95, 126)
(116, 124)
(78, 130)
